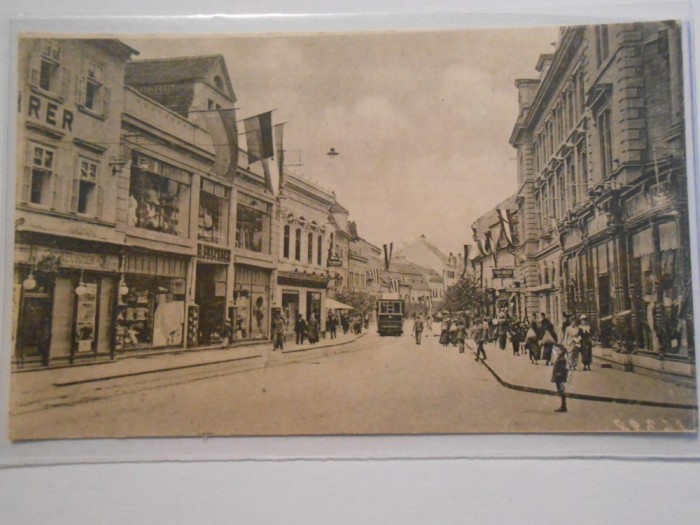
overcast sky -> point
(420, 120)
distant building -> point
(423, 253)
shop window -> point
(213, 212)
(290, 308)
(85, 190)
(313, 305)
(159, 197)
(38, 181)
(94, 95)
(287, 234)
(297, 244)
(152, 313)
(251, 301)
(253, 224)
(310, 248)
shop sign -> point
(213, 253)
(68, 259)
(503, 273)
(85, 318)
(334, 262)
(44, 111)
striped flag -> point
(279, 151)
(258, 134)
(505, 220)
(223, 130)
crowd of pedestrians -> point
(309, 330)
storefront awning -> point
(332, 304)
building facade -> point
(68, 243)
(602, 190)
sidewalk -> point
(142, 364)
(598, 384)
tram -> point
(390, 314)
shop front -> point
(210, 292)
(251, 303)
(151, 302)
(302, 295)
(63, 305)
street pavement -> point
(371, 385)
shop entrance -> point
(34, 334)
(210, 295)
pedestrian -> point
(300, 329)
(571, 339)
(279, 326)
(502, 331)
(358, 324)
(548, 338)
(586, 343)
(452, 332)
(560, 374)
(532, 343)
(516, 336)
(429, 324)
(345, 322)
(366, 321)
(312, 328)
(445, 332)
(332, 323)
(479, 332)
(461, 335)
(417, 328)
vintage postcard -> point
(466, 231)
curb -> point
(306, 349)
(588, 397)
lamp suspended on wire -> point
(29, 283)
(81, 289)
(332, 152)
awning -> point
(332, 304)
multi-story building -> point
(309, 260)
(232, 229)
(602, 190)
(423, 253)
(495, 259)
(366, 262)
(68, 243)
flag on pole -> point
(490, 247)
(258, 134)
(278, 131)
(223, 130)
(504, 219)
(467, 250)
(268, 175)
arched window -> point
(297, 244)
(319, 259)
(310, 248)
(287, 234)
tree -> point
(362, 301)
(466, 294)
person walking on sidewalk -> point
(461, 335)
(532, 343)
(517, 334)
(312, 328)
(479, 333)
(417, 327)
(586, 343)
(279, 326)
(572, 341)
(548, 338)
(560, 374)
(332, 323)
(502, 329)
(445, 331)
(300, 329)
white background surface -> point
(339, 490)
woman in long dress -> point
(312, 329)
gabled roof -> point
(174, 70)
(428, 245)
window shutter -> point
(65, 83)
(75, 193)
(106, 100)
(26, 184)
(100, 211)
(35, 64)
(80, 90)
(58, 182)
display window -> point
(251, 299)
(159, 197)
(213, 212)
(290, 308)
(152, 313)
(253, 224)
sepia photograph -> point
(359, 233)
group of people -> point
(310, 330)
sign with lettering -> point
(68, 259)
(44, 111)
(503, 273)
(334, 262)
